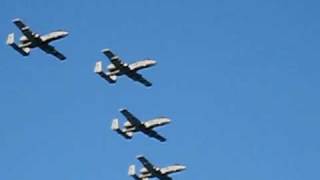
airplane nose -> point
(167, 120)
(164, 120)
(65, 33)
(62, 33)
(153, 62)
(150, 62)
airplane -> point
(31, 40)
(118, 68)
(133, 125)
(151, 171)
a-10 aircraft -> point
(118, 68)
(133, 125)
(31, 40)
(151, 171)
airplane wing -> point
(130, 117)
(24, 29)
(151, 168)
(146, 163)
(138, 77)
(108, 53)
(165, 178)
(113, 58)
(154, 134)
(51, 50)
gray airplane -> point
(151, 171)
(133, 125)
(31, 40)
(118, 68)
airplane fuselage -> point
(129, 68)
(128, 127)
(161, 173)
(172, 169)
(38, 41)
(30, 40)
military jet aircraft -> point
(118, 68)
(133, 125)
(31, 40)
(151, 171)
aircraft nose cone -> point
(150, 62)
(181, 167)
(167, 120)
(163, 120)
(65, 33)
(153, 62)
(62, 33)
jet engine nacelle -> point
(145, 173)
(144, 170)
(23, 40)
(111, 67)
(127, 124)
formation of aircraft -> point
(133, 125)
(31, 40)
(151, 171)
(118, 68)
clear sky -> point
(239, 79)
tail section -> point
(99, 70)
(10, 42)
(115, 127)
(10, 39)
(132, 172)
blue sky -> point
(239, 79)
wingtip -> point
(139, 156)
(16, 20)
(123, 109)
(105, 50)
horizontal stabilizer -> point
(99, 70)
(132, 172)
(10, 39)
(115, 127)
(98, 67)
(10, 42)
